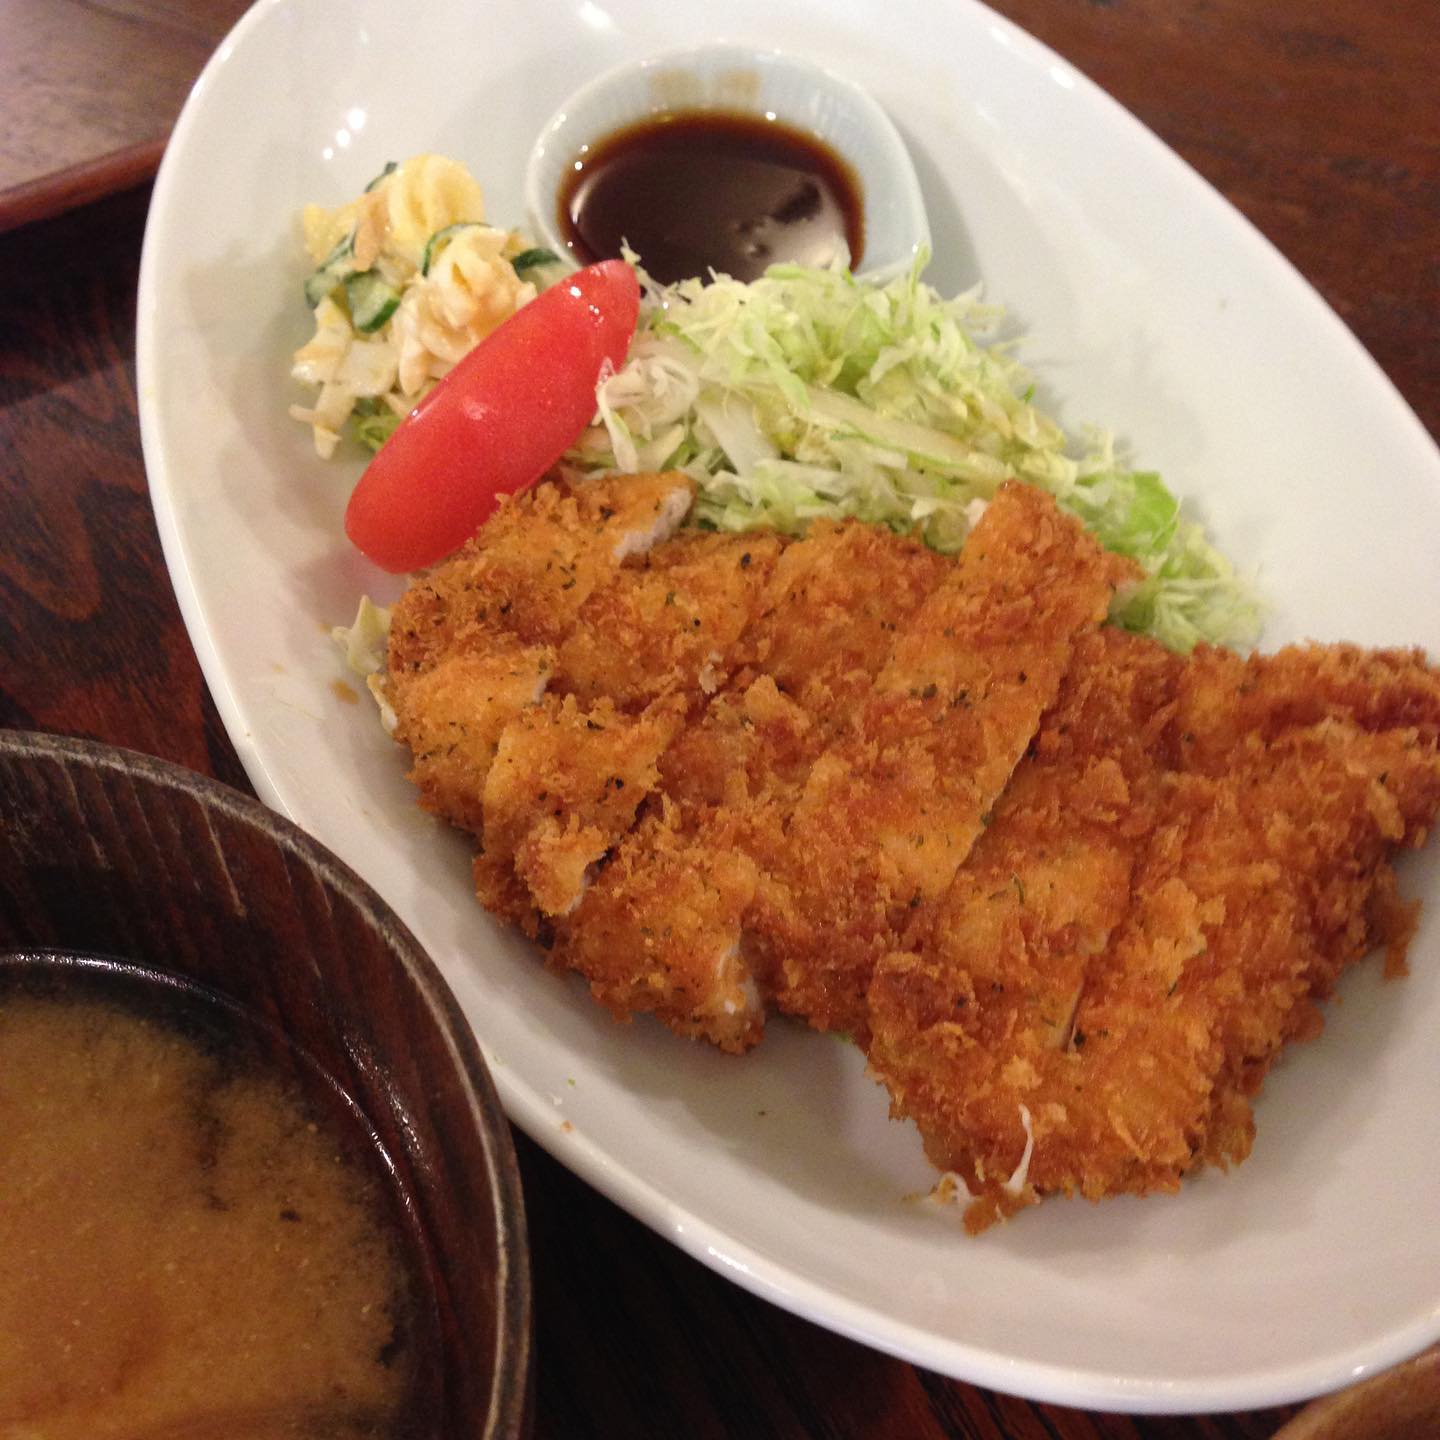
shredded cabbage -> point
(364, 644)
(809, 392)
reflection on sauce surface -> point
(187, 1253)
(697, 190)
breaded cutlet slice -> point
(565, 785)
(1257, 889)
(984, 996)
(472, 643)
(1199, 916)
(823, 629)
(645, 651)
(660, 930)
(1377, 705)
(667, 624)
(891, 809)
(1226, 700)
(531, 567)
(452, 714)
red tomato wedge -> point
(496, 423)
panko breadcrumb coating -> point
(1183, 866)
(1071, 892)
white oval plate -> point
(1155, 309)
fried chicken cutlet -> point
(474, 642)
(1071, 892)
(648, 741)
(1184, 864)
(662, 930)
(903, 728)
(493, 663)
(890, 810)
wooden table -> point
(89, 91)
(1319, 118)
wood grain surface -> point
(1319, 119)
(90, 89)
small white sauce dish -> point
(746, 80)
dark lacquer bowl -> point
(106, 852)
(1398, 1404)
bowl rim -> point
(508, 1417)
(898, 166)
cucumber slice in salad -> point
(439, 240)
(373, 300)
(331, 272)
(536, 258)
(390, 168)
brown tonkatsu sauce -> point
(694, 191)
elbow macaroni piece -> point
(424, 196)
